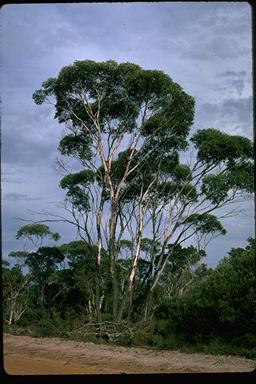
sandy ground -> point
(24, 355)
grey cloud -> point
(240, 109)
(23, 151)
(208, 108)
(130, 27)
(68, 26)
(231, 115)
(20, 196)
(234, 79)
(15, 196)
(26, 33)
(232, 74)
(225, 20)
(235, 27)
(239, 228)
(238, 85)
(214, 49)
(29, 138)
(14, 180)
(230, 80)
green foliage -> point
(18, 254)
(215, 146)
(185, 257)
(149, 245)
(44, 259)
(251, 244)
(83, 178)
(124, 245)
(5, 263)
(165, 191)
(12, 276)
(220, 304)
(205, 223)
(37, 231)
(215, 187)
(78, 249)
(123, 89)
(241, 176)
(182, 173)
(77, 145)
(15, 294)
(77, 185)
(237, 177)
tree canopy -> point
(36, 233)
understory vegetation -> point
(204, 310)
(145, 196)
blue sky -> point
(206, 47)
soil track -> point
(25, 355)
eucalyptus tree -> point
(82, 270)
(126, 127)
(41, 264)
(15, 293)
(36, 233)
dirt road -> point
(24, 355)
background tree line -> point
(195, 307)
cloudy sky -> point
(203, 46)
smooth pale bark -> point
(131, 278)
(16, 309)
(127, 298)
(98, 260)
(112, 255)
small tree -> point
(41, 264)
(82, 270)
(15, 293)
(36, 233)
